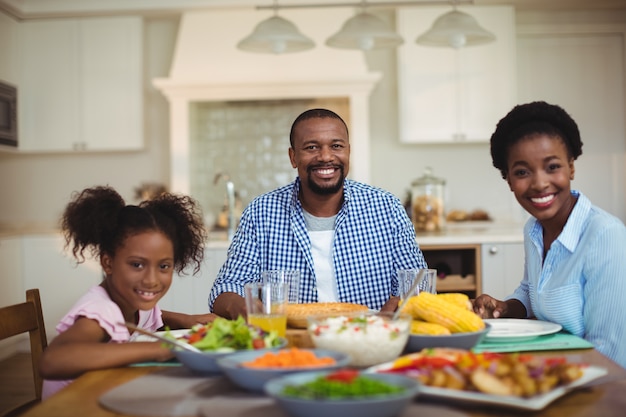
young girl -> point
(139, 248)
(575, 266)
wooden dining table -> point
(605, 396)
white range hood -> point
(208, 67)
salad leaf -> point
(227, 335)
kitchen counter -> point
(461, 233)
(477, 232)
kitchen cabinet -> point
(451, 95)
(502, 267)
(81, 84)
(46, 265)
(190, 294)
(11, 288)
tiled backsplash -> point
(249, 142)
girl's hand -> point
(185, 321)
(488, 307)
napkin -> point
(557, 341)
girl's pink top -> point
(97, 305)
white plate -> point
(538, 402)
(145, 338)
(518, 330)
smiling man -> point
(346, 238)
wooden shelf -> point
(461, 265)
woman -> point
(575, 266)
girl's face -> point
(539, 174)
(140, 272)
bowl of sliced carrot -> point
(252, 369)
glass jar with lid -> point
(428, 202)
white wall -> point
(35, 188)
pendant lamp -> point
(364, 31)
(275, 35)
(455, 29)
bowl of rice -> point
(368, 338)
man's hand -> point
(391, 305)
(230, 305)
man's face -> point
(321, 153)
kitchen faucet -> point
(230, 197)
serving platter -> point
(535, 403)
(518, 330)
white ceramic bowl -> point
(369, 338)
(253, 379)
(465, 341)
(386, 405)
(206, 362)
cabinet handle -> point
(493, 250)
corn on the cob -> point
(433, 309)
(457, 298)
(424, 327)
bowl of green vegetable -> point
(220, 338)
(344, 392)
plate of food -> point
(518, 330)
(511, 380)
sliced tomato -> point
(194, 337)
(258, 343)
(343, 375)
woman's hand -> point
(488, 307)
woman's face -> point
(140, 272)
(539, 174)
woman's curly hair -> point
(533, 118)
(97, 219)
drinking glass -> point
(266, 304)
(406, 277)
(289, 277)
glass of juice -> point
(266, 304)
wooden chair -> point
(21, 318)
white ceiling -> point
(32, 9)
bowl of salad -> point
(343, 392)
(220, 338)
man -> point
(346, 238)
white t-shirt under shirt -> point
(322, 232)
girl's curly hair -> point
(533, 118)
(98, 220)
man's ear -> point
(292, 158)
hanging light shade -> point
(364, 31)
(455, 29)
(275, 36)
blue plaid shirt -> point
(373, 239)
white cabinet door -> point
(49, 87)
(61, 282)
(112, 95)
(81, 85)
(451, 95)
(11, 287)
(502, 268)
